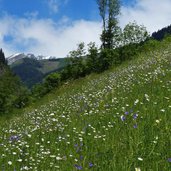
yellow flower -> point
(137, 169)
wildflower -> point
(135, 116)
(123, 118)
(140, 159)
(137, 169)
(147, 97)
(14, 138)
(136, 101)
(29, 135)
(157, 121)
(52, 114)
(81, 157)
(10, 162)
(126, 113)
(19, 160)
(58, 158)
(91, 165)
(135, 126)
(78, 167)
(169, 160)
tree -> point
(12, 92)
(52, 81)
(77, 65)
(109, 10)
(2, 57)
(134, 33)
(92, 58)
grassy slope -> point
(116, 121)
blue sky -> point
(54, 9)
(54, 27)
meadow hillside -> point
(115, 121)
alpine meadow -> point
(103, 107)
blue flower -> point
(135, 116)
(126, 113)
(78, 167)
(135, 126)
(169, 160)
(91, 165)
(123, 118)
(14, 138)
(81, 157)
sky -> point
(55, 27)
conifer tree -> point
(2, 57)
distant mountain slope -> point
(33, 69)
(160, 34)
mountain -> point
(18, 56)
(32, 69)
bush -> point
(108, 58)
(52, 81)
(127, 52)
(12, 93)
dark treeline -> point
(160, 34)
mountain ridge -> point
(18, 56)
(33, 69)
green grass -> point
(115, 121)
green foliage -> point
(150, 45)
(38, 91)
(12, 93)
(108, 58)
(52, 81)
(92, 60)
(128, 52)
(77, 65)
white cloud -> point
(154, 14)
(55, 4)
(44, 36)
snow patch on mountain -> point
(18, 56)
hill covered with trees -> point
(160, 34)
(32, 71)
(12, 93)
